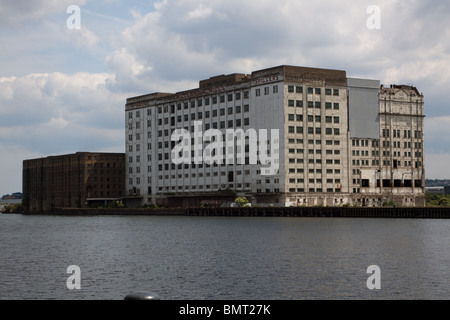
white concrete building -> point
(314, 112)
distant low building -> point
(447, 190)
(74, 180)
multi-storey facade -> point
(392, 167)
(323, 136)
(73, 180)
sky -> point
(63, 89)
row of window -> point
(417, 154)
(171, 145)
(237, 96)
(365, 162)
(329, 181)
(396, 163)
(246, 172)
(231, 175)
(266, 91)
(138, 114)
(296, 171)
(357, 153)
(365, 143)
(387, 183)
(193, 116)
(172, 166)
(397, 133)
(186, 187)
(387, 144)
(313, 171)
(314, 104)
(313, 190)
(312, 181)
(310, 90)
(205, 114)
(311, 141)
(207, 187)
(316, 161)
(398, 144)
(312, 130)
(136, 191)
(311, 118)
(311, 151)
(201, 175)
(376, 153)
(230, 124)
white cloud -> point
(187, 39)
(59, 123)
(19, 12)
(83, 37)
(57, 112)
(11, 167)
(437, 134)
(38, 96)
(200, 12)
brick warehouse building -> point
(342, 141)
(73, 180)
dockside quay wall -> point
(326, 212)
(118, 212)
(329, 212)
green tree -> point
(443, 201)
(436, 200)
(242, 201)
(389, 203)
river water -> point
(223, 258)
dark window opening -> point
(386, 183)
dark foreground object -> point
(142, 296)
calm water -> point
(223, 258)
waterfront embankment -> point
(328, 212)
